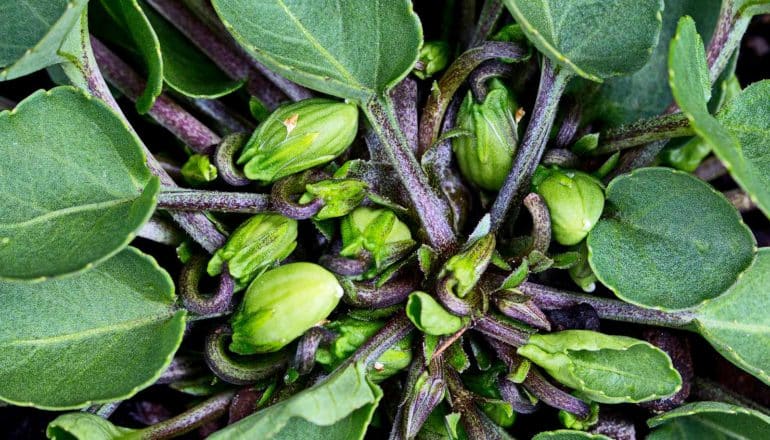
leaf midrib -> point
(50, 215)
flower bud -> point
(297, 137)
(575, 201)
(377, 231)
(352, 333)
(433, 58)
(258, 243)
(340, 196)
(281, 305)
(465, 268)
(485, 156)
(198, 170)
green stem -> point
(431, 209)
(642, 132)
(553, 81)
(207, 411)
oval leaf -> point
(86, 426)
(33, 32)
(669, 240)
(430, 317)
(339, 408)
(595, 39)
(74, 187)
(604, 368)
(710, 420)
(96, 337)
(737, 323)
(347, 48)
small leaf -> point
(109, 332)
(669, 240)
(74, 187)
(712, 420)
(594, 39)
(737, 323)
(352, 49)
(86, 426)
(567, 434)
(430, 317)
(33, 32)
(604, 368)
(339, 408)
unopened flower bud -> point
(433, 58)
(281, 305)
(378, 232)
(198, 170)
(465, 268)
(340, 196)
(299, 136)
(257, 244)
(485, 155)
(575, 201)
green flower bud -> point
(352, 333)
(281, 305)
(433, 58)
(258, 243)
(297, 137)
(575, 201)
(485, 156)
(340, 196)
(466, 268)
(377, 231)
(199, 170)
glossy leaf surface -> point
(74, 187)
(95, 337)
(668, 240)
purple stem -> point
(165, 111)
(160, 230)
(182, 368)
(241, 370)
(225, 117)
(553, 81)
(549, 298)
(487, 70)
(541, 222)
(193, 299)
(404, 97)
(569, 127)
(536, 384)
(291, 188)
(502, 331)
(561, 158)
(453, 78)
(457, 306)
(304, 358)
(393, 331)
(642, 132)
(510, 392)
(524, 311)
(182, 199)
(224, 158)
(347, 267)
(490, 15)
(207, 411)
(711, 168)
(367, 295)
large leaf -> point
(737, 323)
(74, 187)
(668, 240)
(604, 368)
(710, 420)
(347, 48)
(616, 105)
(339, 408)
(95, 337)
(595, 39)
(33, 32)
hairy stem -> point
(488, 18)
(500, 330)
(553, 81)
(239, 370)
(541, 222)
(393, 331)
(453, 78)
(539, 386)
(431, 209)
(549, 298)
(162, 231)
(642, 132)
(226, 118)
(181, 199)
(207, 411)
(165, 112)
(193, 299)
(726, 38)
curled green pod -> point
(485, 154)
(255, 245)
(281, 305)
(297, 137)
(575, 201)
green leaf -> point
(430, 317)
(74, 187)
(594, 39)
(87, 426)
(669, 240)
(130, 17)
(604, 368)
(737, 323)
(33, 32)
(340, 407)
(352, 49)
(614, 101)
(185, 68)
(710, 420)
(567, 434)
(96, 337)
